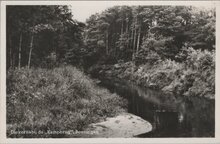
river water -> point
(170, 116)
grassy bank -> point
(193, 77)
(59, 99)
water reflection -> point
(171, 116)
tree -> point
(39, 31)
(129, 33)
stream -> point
(170, 116)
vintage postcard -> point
(109, 72)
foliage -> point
(56, 99)
(129, 33)
(202, 71)
(194, 77)
(36, 32)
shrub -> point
(202, 63)
(56, 99)
(192, 75)
(145, 56)
(198, 74)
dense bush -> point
(56, 99)
(201, 66)
(195, 76)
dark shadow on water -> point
(170, 116)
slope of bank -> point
(59, 99)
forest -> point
(54, 62)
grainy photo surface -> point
(116, 71)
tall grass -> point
(56, 99)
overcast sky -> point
(84, 9)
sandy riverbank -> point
(123, 125)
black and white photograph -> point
(109, 69)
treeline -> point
(45, 36)
(148, 33)
(42, 36)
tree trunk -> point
(19, 51)
(131, 39)
(115, 51)
(139, 38)
(135, 37)
(10, 58)
(13, 62)
(134, 45)
(122, 27)
(132, 42)
(10, 53)
(127, 33)
(31, 48)
(127, 24)
(107, 50)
